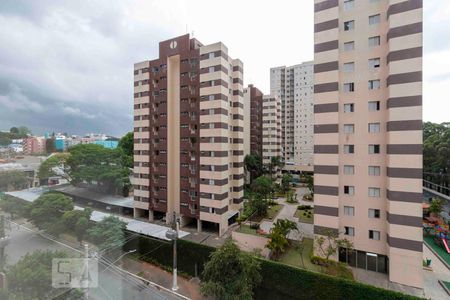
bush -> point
(285, 282)
(304, 207)
(254, 226)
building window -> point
(349, 87)
(374, 192)
(374, 149)
(211, 55)
(349, 107)
(375, 19)
(349, 4)
(349, 128)
(374, 127)
(349, 46)
(374, 171)
(349, 25)
(374, 213)
(374, 41)
(374, 63)
(349, 210)
(374, 84)
(349, 190)
(349, 67)
(374, 105)
(374, 235)
(349, 170)
(349, 149)
(349, 231)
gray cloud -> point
(68, 65)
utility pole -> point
(85, 279)
(172, 234)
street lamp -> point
(112, 264)
(172, 234)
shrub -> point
(304, 207)
(254, 225)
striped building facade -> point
(368, 132)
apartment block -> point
(34, 145)
(294, 86)
(368, 132)
(253, 117)
(271, 131)
(189, 135)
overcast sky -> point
(67, 66)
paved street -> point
(113, 284)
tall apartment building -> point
(188, 134)
(294, 86)
(271, 128)
(253, 118)
(368, 132)
(34, 145)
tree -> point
(278, 236)
(258, 204)
(11, 205)
(14, 179)
(5, 140)
(24, 131)
(126, 143)
(263, 186)
(54, 166)
(31, 277)
(275, 163)
(77, 221)
(285, 182)
(81, 228)
(328, 243)
(14, 130)
(436, 206)
(50, 146)
(253, 165)
(108, 234)
(230, 273)
(310, 183)
(46, 212)
(95, 164)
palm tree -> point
(277, 237)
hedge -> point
(279, 281)
(160, 252)
(284, 282)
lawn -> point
(429, 240)
(293, 258)
(246, 229)
(273, 211)
(309, 219)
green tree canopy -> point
(436, 147)
(50, 146)
(95, 164)
(31, 277)
(263, 185)
(46, 211)
(230, 273)
(11, 205)
(23, 130)
(47, 168)
(108, 234)
(5, 140)
(14, 130)
(253, 164)
(278, 236)
(13, 179)
(126, 143)
(286, 182)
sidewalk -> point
(432, 288)
(187, 287)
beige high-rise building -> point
(188, 135)
(271, 128)
(294, 87)
(368, 132)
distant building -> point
(253, 116)
(107, 144)
(18, 148)
(271, 131)
(34, 145)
